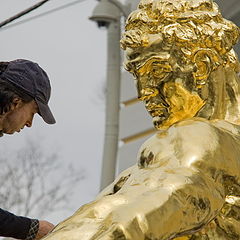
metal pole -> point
(124, 8)
(112, 104)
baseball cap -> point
(32, 79)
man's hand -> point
(44, 228)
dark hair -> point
(9, 91)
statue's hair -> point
(194, 34)
(186, 25)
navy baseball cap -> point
(32, 79)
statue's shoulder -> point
(201, 128)
(188, 140)
(187, 134)
(194, 134)
(194, 129)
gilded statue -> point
(186, 182)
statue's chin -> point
(160, 122)
(164, 122)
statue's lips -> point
(156, 113)
(157, 105)
(157, 108)
(160, 113)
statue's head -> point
(180, 54)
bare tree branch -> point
(34, 183)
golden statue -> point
(186, 183)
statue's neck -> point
(223, 98)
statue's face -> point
(179, 52)
(166, 85)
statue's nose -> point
(147, 93)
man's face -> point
(165, 84)
(20, 115)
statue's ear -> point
(206, 61)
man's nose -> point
(29, 123)
(147, 93)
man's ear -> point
(16, 103)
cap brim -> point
(45, 112)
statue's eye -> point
(133, 55)
(160, 70)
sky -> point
(72, 50)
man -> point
(186, 183)
(24, 91)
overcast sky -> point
(72, 50)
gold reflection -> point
(186, 183)
(187, 43)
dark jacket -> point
(14, 226)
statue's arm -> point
(152, 204)
(162, 205)
(175, 192)
(118, 182)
